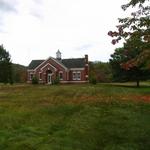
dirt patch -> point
(143, 98)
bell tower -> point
(58, 55)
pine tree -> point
(5, 66)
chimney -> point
(86, 59)
(58, 55)
(86, 68)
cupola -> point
(58, 55)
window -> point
(76, 75)
(31, 76)
(40, 76)
(61, 75)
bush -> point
(56, 81)
(93, 80)
(35, 80)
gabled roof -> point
(35, 63)
(59, 62)
(68, 63)
(74, 62)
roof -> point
(68, 63)
(74, 62)
(35, 63)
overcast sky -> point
(36, 29)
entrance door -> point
(49, 81)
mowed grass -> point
(74, 117)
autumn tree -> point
(123, 71)
(137, 25)
(135, 30)
(5, 66)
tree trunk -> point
(137, 83)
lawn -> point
(74, 117)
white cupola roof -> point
(58, 55)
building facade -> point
(74, 70)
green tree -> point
(100, 71)
(5, 66)
(19, 73)
(117, 58)
(124, 68)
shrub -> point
(35, 80)
(93, 80)
(57, 80)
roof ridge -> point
(38, 59)
(72, 58)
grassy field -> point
(74, 117)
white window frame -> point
(60, 72)
(31, 76)
(75, 75)
(78, 77)
(40, 75)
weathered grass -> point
(74, 117)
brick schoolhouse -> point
(75, 70)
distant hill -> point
(19, 73)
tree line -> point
(9, 72)
(128, 63)
(15, 73)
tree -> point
(116, 59)
(134, 58)
(100, 71)
(138, 23)
(19, 73)
(136, 26)
(123, 66)
(5, 66)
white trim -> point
(53, 60)
(42, 63)
(59, 63)
(76, 69)
(40, 76)
(86, 64)
(28, 70)
(75, 76)
(86, 76)
(67, 73)
(50, 65)
(61, 72)
(79, 73)
(30, 76)
(49, 76)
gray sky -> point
(36, 29)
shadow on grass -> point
(128, 85)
